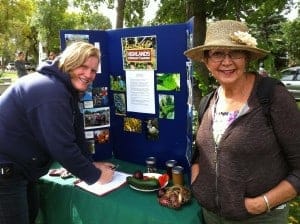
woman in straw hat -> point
(243, 173)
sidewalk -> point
(4, 84)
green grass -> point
(13, 75)
(294, 215)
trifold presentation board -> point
(140, 104)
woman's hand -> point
(107, 171)
(278, 195)
(256, 205)
(194, 172)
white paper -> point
(97, 45)
(140, 91)
(119, 179)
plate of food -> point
(147, 182)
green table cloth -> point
(63, 203)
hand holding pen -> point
(114, 167)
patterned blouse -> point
(222, 119)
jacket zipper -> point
(217, 174)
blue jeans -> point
(18, 200)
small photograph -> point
(166, 106)
(81, 106)
(89, 134)
(71, 38)
(139, 53)
(132, 125)
(88, 104)
(96, 117)
(91, 146)
(120, 103)
(97, 45)
(100, 96)
(101, 136)
(118, 83)
(87, 96)
(152, 131)
(189, 40)
(168, 81)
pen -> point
(114, 167)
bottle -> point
(151, 164)
(177, 175)
(169, 166)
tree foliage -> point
(15, 30)
(25, 22)
(134, 12)
(49, 19)
(290, 39)
(171, 12)
(264, 18)
(129, 12)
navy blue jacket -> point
(40, 123)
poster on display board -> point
(140, 102)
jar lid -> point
(171, 163)
(150, 160)
(177, 169)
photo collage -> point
(133, 92)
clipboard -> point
(118, 180)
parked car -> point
(291, 79)
(29, 66)
(10, 66)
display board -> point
(140, 102)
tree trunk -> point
(198, 9)
(120, 13)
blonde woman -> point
(40, 122)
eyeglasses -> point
(218, 56)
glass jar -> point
(169, 166)
(151, 165)
(177, 175)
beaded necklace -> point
(221, 120)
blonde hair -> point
(76, 54)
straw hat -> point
(227, 34)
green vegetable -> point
(149, 184)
